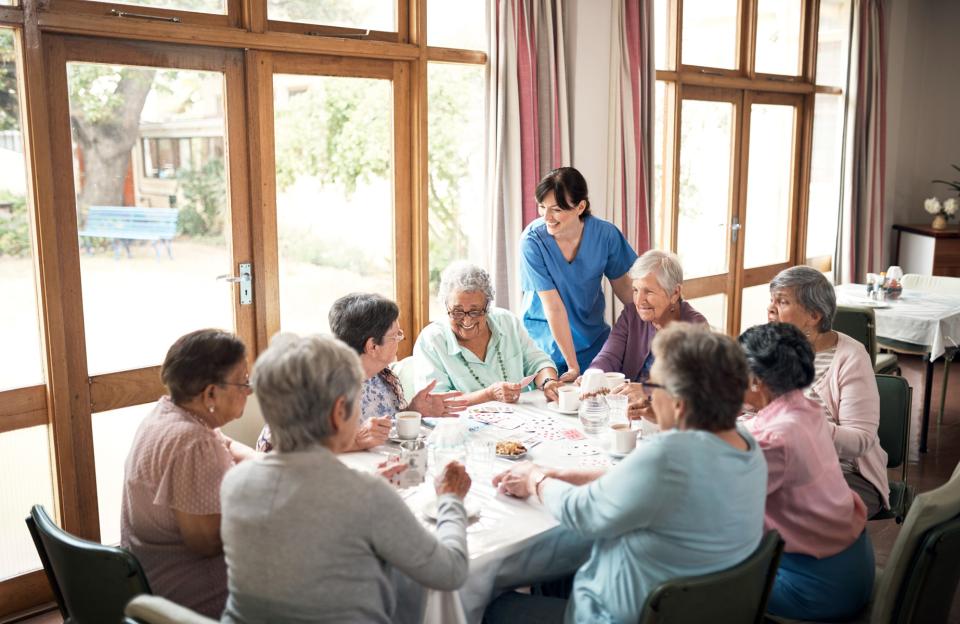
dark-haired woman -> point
(826, 572)
(564, 255)
(170, 510)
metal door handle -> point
(245, 279)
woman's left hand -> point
(550, 389)
(518, 481)
(437, 404)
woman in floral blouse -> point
(369, 324)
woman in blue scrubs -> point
(564, 256)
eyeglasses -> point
(245, 384)
(396, 337)
(648, 387)
(458, 314)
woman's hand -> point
(504, 391)
(638, 405)
(520, 480)
(550, 389)
(454, 480)
(437, 404)
(391, 468)
(572, 374)
(373, 432)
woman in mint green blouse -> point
(481, 350)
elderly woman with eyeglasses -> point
(482, 351)
(843, 383)
(369, 323)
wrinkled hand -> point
(550, 390)
(572, 374)
(518, 480)
(453, 480)
(638, 406)
(438, 403)
(391, 468)
(504, 391)
(373, 432)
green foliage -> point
(955, 185)
(9, 102)
(15, 227)
(205, 195)
(303, 247)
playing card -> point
(572, 434)
(593, 462)
(527, 380)
(581, 449)
(508, 421)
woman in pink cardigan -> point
(844, 382)
(826, 571)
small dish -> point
(512, 457)
(552, 406)
(430, 509)
(395, 439)
(617, 455)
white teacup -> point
(614, 380)
(623, 439)
(568, 398)
(408, 425)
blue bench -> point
(126, 224)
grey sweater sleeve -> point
(439, 562)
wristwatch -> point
(543, 386)
(536, 485)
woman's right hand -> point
(504, 391)
(572, 374)
(453, 480)
(373, 432)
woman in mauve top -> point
(826, 571)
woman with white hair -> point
(657, 301)
(482, 351)
(306, 538)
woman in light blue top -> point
(482, 351)
(564, 256)
(687, 502)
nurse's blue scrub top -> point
(603, 251)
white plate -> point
(552, 405)
(617, 455)
(393, 437)
(430, 509)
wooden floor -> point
(926, 472)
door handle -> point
(735, 229)
(245, 279)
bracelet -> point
(536, 485)
(543, 386)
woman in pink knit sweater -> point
(844, 382)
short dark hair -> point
(779, 355)
(704, 368)
(565, 182)
(358, 316)
(199, 359)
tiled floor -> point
(925, 472)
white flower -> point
(932, 206)
(950, 206)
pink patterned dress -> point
(175, 463)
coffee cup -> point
(408, 425)
(623, 439)
(614, 380)
(568, 398)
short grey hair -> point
(813, 291)
(298, 380)
(463, 276)
(664, 265)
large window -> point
(748, 144)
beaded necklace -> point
(503, 370)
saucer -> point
(395, 439)
(617, 455)
(430, 509)
(552, 406)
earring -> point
(211, 409)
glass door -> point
(158, 225)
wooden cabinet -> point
(926, 251)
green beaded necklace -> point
(503, 370)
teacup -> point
(623, 439)
(615, 380)
(568, 398)
(593, 382)
(408, 425)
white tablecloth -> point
(509, 532)
(926, 319)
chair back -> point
(896, 400)
(931, 283)
(859, 323)
(92, 582)
(736, 595)
(406, 372)
(927, 595)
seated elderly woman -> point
(170, 509)
(844, 382)
(688, 502)
(657, 281)
(370, 324)
(826, 571)
(306, 538)
(482, 351)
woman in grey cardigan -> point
(307, 539)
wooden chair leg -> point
(943, 391)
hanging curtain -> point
(528, 125)
(860, 240)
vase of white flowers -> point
(946, 210)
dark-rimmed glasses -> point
(458, 314)
(648, 387)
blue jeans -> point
(829, 589)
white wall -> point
(923, 106)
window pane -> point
(769, 182)
(663, 162)
(661, 34)
(833, 42)
(706, 139)
(19, 320)
(334, 146)
(461, 24)
(24, 453)
(112, 435)
(152, 247)
(714, 308)
(710, 33)
(199, 6)
(753, 306)
(372, 14)
(456, 131)
(778, 37)
(826, 171)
